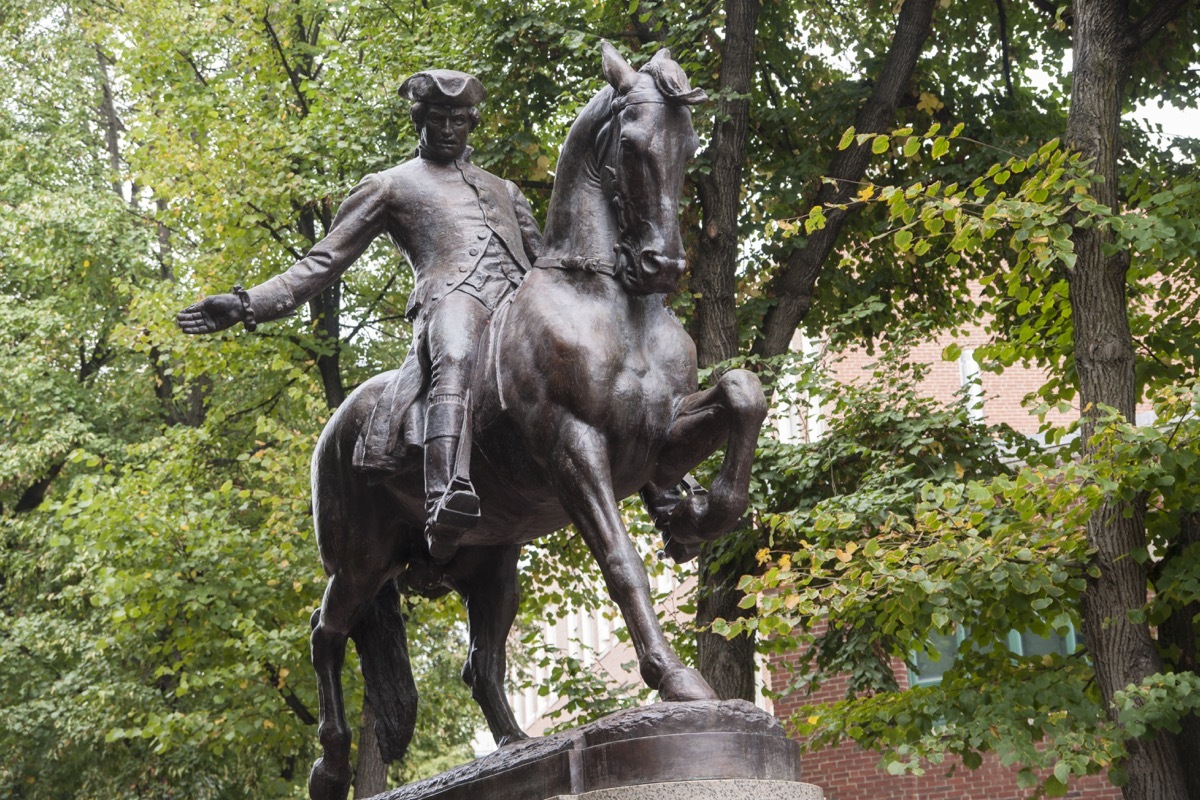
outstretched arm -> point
(361, 218)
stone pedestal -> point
(669, 751)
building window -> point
(928, 667)
(969, 378)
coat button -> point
(449, 281)
(473, 251)
(482, 234)
(462, 268)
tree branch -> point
(1005, 54)
(293, 78)
(195, 67)
(266, 226)
(294, 703)
(112, 122)
(1155, 20)
(371, 308)
(793, 288)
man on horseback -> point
(469, 236)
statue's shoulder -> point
(401, 182)
(400, 173)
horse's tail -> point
(383, 654)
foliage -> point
(156, 566)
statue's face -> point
(445, 131)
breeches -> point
(452, 334)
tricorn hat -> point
(443, 87)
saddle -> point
(392, 440)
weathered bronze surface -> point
(691, 741)
(582, 388)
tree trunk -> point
(1177, 634)
(326, 311)
(728, 665)
(714, 273)
(1122, 651)
(792, 290)
(112, 123)
(370, 773)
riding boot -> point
(450, 499)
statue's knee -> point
(334, 737)
(744, 391)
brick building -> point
(848, 772)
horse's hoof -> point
(680, 553)
(685, 683)
(511, 738)
(687, 520)
(325, 783)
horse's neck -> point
(580, 222)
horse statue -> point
(585, 392)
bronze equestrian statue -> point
(584, 390)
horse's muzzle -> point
(651, 273)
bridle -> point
(609, 138)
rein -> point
(577, 264)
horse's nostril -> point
(663, 263)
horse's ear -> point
(616, 69)
(664, 54)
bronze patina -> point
(584, 390)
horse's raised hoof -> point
(683, 684)
(678, 552)
(325, 783)
(685, 524)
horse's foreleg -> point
(488, 584)
(730, 413)
(584, 485)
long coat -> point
(440, 216)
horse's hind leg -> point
(486, 577)
(342, 607)
(731, 413)
(584, 486)
(330, 776)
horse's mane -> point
(672, 82)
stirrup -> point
(456, 512)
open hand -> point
(212, 314)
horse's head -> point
(645, 151)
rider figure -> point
(469, 236)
